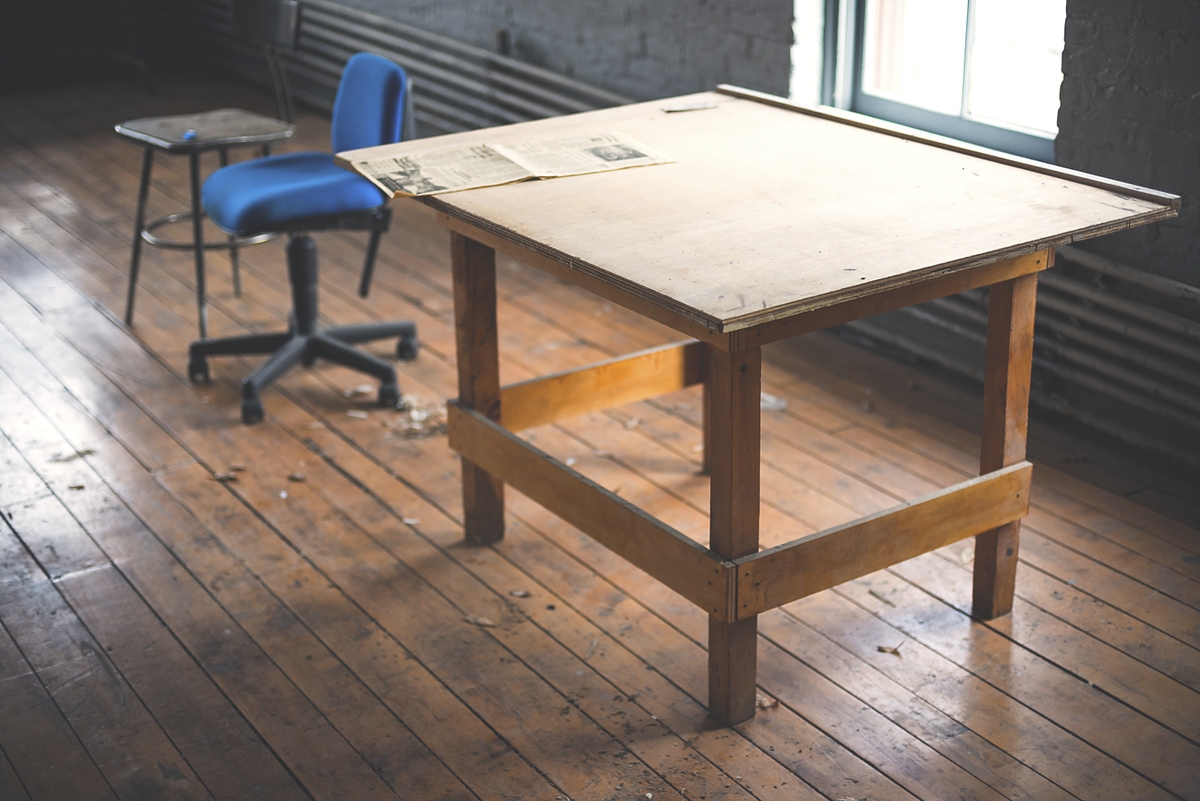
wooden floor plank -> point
(987, 762)
(1095, 717)
(1111, 625)
(1102, 581)
(213, 637)
(10, 784)
(827, 776)
(1156, 695)
(1018, 730)
(390, 749)
(1116, 556)
(858, 745)
(337, 598)
(1098, 578)
(1138, 540)
(47, 758)
(1146, 689)
(481, 759)
(919, 417)
(76, 670)
(298, 526)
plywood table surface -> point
(768, 212)
(772, 220)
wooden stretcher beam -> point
(626, 379)
(817, 562)
(677, 561)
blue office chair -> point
(300, 192)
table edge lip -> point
(737, 323)
(946, 143)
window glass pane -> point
(1016, 63)
(808, 29)
(913, 52)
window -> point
(984, 71)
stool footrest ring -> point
(217, 244)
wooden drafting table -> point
(774, 221)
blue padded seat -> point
(265, 194)
(302, 192)
(271, 193)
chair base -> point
(303, 344)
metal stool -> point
(191, 135)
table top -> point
(223, 127)
(771, 210)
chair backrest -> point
(270, 22)
(275, 24)
(370, 104)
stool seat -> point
(191, 135)
(223, 127)
(266, 194)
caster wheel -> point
(407, 347)
(389, 394)
(252, 411)
(198, 371)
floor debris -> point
(770, 403)
(419, 418)
(73, 456)
(765, 701)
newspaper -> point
(476, 166)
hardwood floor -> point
(314, 627)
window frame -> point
(841, 86)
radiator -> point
(456, 87)
(1123, 365)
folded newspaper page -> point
(456, 169)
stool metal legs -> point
(233, 241)
(143, 232)
(139, 221)
(198, 244)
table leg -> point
(474, 268)
(198, 244)
(1005, 421)
(139, 223)
(706, 429)
(734, 383)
